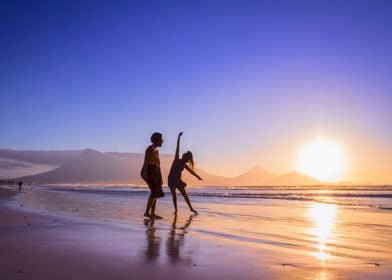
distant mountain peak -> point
(93, 154)
(89, 150)
(258, 168)
(257, 175)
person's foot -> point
(194, 211)
(156, 216)
(147, 215)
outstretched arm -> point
(178, 146)
(192, 172)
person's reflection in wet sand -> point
(153, 241)
(176, 240)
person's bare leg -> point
(148, 207)
(185, 195)
(154, 204)
(174, 197)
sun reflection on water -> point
(324, 218)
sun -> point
(323, 159)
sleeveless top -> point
(175, 171)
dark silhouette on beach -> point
(151, 173)
(20, 185)
(174, 178)
(12, 182)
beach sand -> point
(89, 235)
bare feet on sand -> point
(156, 217)
(147, 215)
(152, 216)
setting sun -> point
(323, 159)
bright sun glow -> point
(323, 159)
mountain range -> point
(93, 167)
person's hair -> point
(189, 155)
(155, 137)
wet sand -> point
(70, 235)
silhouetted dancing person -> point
(151, 173)
(174, 178)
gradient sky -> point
(247, 81)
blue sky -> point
(245, 80)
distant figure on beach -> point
(20, 185)
(174, 178)
(151, 173)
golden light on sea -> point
(323, 159)
(324, 219)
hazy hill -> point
(55, 158)
(91, 166)
(208, 179)
(96, 167)
(14, 163)
(293, 178)
(256, 176)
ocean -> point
(372, 196)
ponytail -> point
(191, 162)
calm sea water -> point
(362, 196)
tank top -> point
(176, 169)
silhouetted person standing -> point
(174, 178)
(151, 173)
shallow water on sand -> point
(289, 233)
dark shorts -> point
(176, 184)
(153, 180)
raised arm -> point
(177, 156)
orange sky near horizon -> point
(365, 162)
